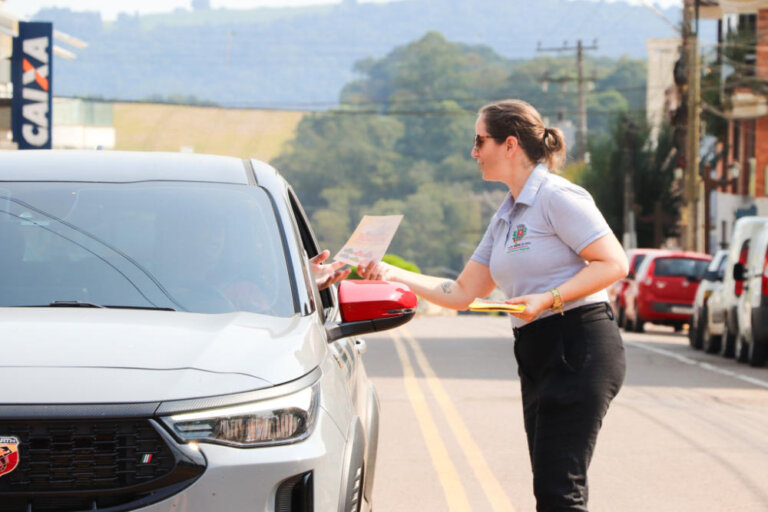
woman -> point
(549, 248)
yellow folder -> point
(493, 305)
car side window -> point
(310, 246)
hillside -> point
(242, 133)
(300, 58)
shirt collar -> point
(527, 194)
(532, 185)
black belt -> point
(571, 315)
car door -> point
(343, 350)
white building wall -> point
(661, 93)
(83, 137)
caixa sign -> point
(31, 73)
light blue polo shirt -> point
(532, 244)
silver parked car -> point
(711, 283)
(165, 347)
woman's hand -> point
(374, 271)
(535, 304)
(326, 275)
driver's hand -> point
(326, 275)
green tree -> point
(629, 145)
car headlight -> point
(282, 420)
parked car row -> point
(731, 317)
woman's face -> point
(490, 155)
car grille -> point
(89, 465)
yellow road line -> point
(446, 471)
(490, 484)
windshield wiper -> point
(147, 308)
(78, 304)
(73, 304)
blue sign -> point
(31, 74)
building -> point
(9, 28)
(83, 124)
(735, 175)
(662, 97)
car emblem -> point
(9, 454)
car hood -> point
(119, 356)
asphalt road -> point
(688, 431)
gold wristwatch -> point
(557, 303)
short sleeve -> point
(575, 218)
(482, 253)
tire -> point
(740, 349)
(621, 316)
(758, 354)
(728, 342)
(696, 330)
(678, 327)
(639, 324)
(709, 342)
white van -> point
(752, 306)
(743, 231)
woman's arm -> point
(475, 281)
(606, 264)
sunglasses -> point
(479, 140)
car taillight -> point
(738, 286)
(765, 274)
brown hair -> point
(520, 120)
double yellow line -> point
(446, 471)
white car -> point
(752, 305)
(711, 283)
(744, 230)
(165, 346)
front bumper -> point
(248, 478)
(663, 312)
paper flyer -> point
(493, 305)
(370, 240)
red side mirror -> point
(368, 300)
(368, 306)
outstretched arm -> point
(475, 281)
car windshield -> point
(680, 267)
(196, 247)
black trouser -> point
(570, 369)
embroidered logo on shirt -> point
(520, 231)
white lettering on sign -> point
(37, 48)
(36, 90)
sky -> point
(109, 9)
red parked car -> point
(618, 289)
(663, 290)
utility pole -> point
(581, 134)
(693, 107)
(629, 239)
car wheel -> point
(728, 342)
(621, 316)
(758, 354)
(709, 342)
(678, 327)
(741, 349)
(696, 329)
(639, 324)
